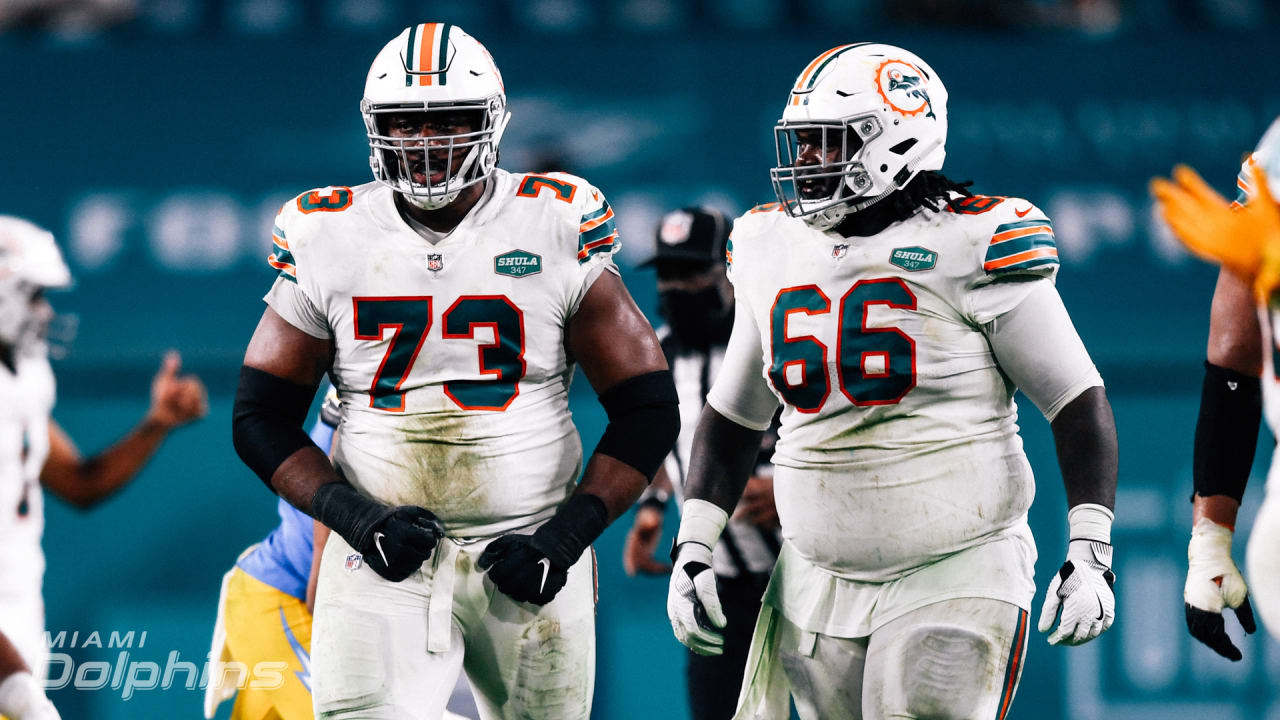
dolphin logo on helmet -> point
(860, 122)
(434, 68)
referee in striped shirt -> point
(696, 303)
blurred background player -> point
(893, 315)
(450, 302)
(695, 300)
(34, 451)
(1244, 237)
(21, 695)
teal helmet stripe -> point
(410, 55)
(818, 71)
(444, 53)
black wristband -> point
(644, 421)
(1226, 432)
(266, 422)
(345, 511)
(573, 528)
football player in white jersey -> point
(21, 696)
(35, 452)
(1243, 237)
(893, 315)
(450, 301)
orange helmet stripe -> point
(426, 52)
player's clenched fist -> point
(533, 568)
(1214, 583)
(693, 605)
(395, 541)
(522, 571)
(1081, 592)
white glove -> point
(1214, 582)
(693, 606)
(1081, 590)
(21, 698)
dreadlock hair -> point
(929, 189)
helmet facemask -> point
(820, 175)
(461, 159)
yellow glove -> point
(1244, 240)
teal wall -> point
(158, 159)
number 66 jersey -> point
(449, 358)
(899, 440)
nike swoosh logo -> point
(1022, 213)
(546, 570)
(377, 541)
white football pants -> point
(952, 660)
(393, 651)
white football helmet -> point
(861, 121)
(29, 262)
(434, 67)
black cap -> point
(691, 235)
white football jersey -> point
(899, 440)
(26, 399)
(450, 358)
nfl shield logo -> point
(435, 262)
(354, 562)
(840, 250)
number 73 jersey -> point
(449, 358)
(898, 443)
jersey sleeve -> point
(740, 392)
(1017, 250)
(287, 297)
(597, 237)
(1037, 346)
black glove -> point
(533, 568)
(1209, 628)
(394, 541)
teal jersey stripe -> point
(603, 248)
(1242, 198)
(1023, 224)
(287, 276)
(284, 256)
(604, 208)
(728, 253)
(444, 53)
(409, 55)
(599, 232)
(1019, 245)
(277, 230)
(1032, 264)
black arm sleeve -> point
(266, 422)
(644, 421)
(1226, 432)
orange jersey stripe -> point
(1021, 232)
(279, 241)
(593, 224)
(1021, 257)
(586, 249)
(426, 51)
(271, 260)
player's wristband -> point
(573, 528)
(1089, 521)
(341, 508)
(700, 522)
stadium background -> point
(157, 138)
